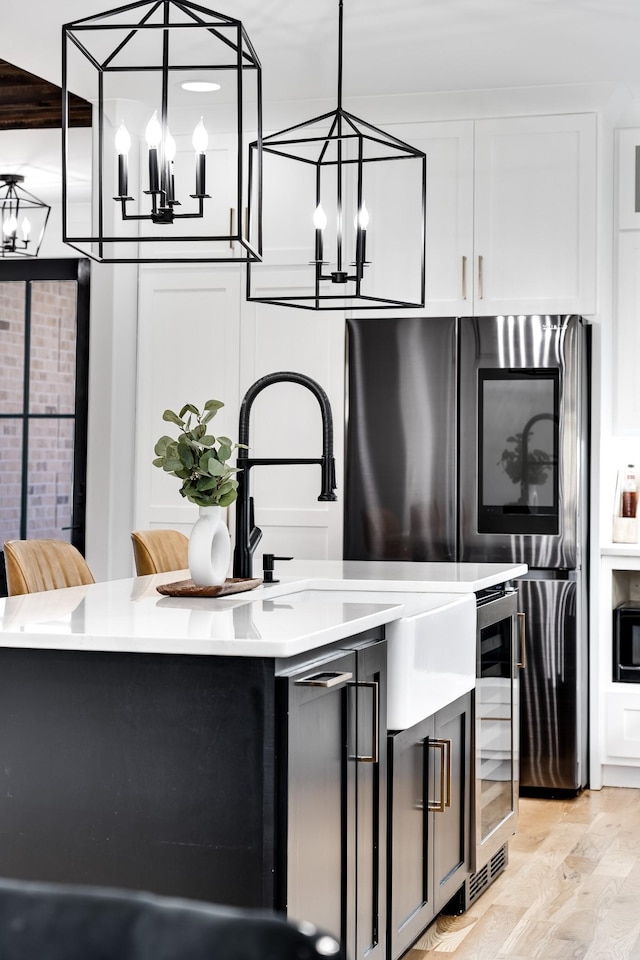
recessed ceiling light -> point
(199, 86)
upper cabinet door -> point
(448, 146)
(534, 216)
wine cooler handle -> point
(444, 746)
(522, 663)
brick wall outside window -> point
(51, 392)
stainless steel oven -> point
(496, 729)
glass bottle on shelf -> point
(629, 492)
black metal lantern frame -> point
(23, 218)
(345, 164)
(152, 204)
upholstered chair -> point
(36, 565)
(159, 551)
(57, 922)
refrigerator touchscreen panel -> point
(518, 420)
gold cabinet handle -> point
(522, 663)
(326, 680)
(464, 278)
(480, 278)
(444, 746)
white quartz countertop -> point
(317, 603)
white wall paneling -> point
(286, 422)
(188, 352)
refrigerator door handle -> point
(522, 662)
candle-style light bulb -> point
(26, 229)
(153, 136)
(123, 140)
(10, 225)
(362, 217)
(200, 138)
(361, 222)
(319, 222)
(319, 218)
(153, 132)
(200, 141)
(123, 145)
(169, 148)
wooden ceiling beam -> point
(28, 102)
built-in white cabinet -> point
(534, 215)
(510, 214)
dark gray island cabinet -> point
(248, 781)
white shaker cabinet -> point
(534, 215)
(511, 208)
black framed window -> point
(518, 443)
(44, 333)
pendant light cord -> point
(339, 54)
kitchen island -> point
(148, 741)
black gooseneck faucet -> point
(247, 534)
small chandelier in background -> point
(23, 218)
(355, 205)
(167, 59)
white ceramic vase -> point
(209, 548)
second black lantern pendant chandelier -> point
(348, 230)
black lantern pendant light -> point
(354, 213)
(23, 218)
(168, 77)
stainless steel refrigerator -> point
(467, 439)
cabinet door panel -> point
(409, 854)
(449, 217)
(371, 765)
(320, 801)
(534, 218)
(451, 828)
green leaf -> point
(224, 451)
(162, 444)
(159, 462)
(172, 417)
(215, 468)
(208, 440)
(207, 483)
(186, 454)
(227, 498)
(171, 465)
(189, 408)
(213, 406)
(198, 432)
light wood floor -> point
(571, 889)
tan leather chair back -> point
(37, 565)
(159, 551)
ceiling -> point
(391, 47)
